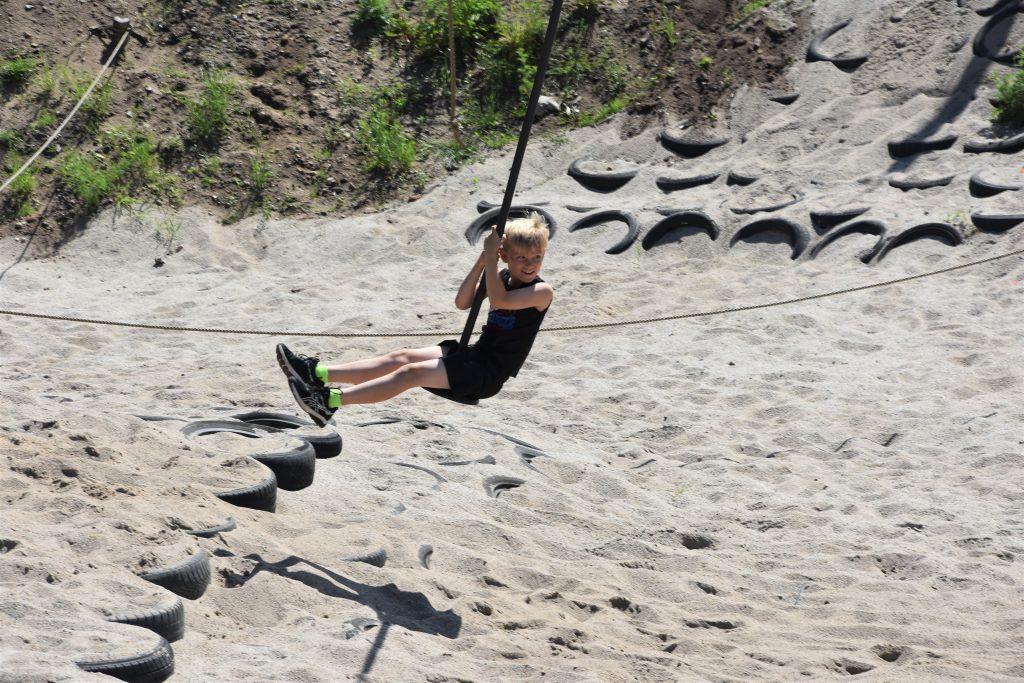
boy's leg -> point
(426, 373)
(359, 371)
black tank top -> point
(508, 335)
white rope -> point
(74, 111)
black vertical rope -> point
(517, 162)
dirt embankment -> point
(302, 77)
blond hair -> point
(527, 234)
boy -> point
(518, 300)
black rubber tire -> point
(864, 227)
(261, 496)
(1010, 145)
(478, 226)
(785, 99)
(980, 45)
(187, 579)
(823, 221)
(599, 182)
(846, 63)
(496, 484)
(769, 208)
(688, 146)
(944, 231)
(209, 532)
(168, 622)
(154, 666)
(294, 468)
(798, 237)
(421, 468)
(672, 184)
(920, 183)
(611, 215)
(680, 220)
(205, 427)
(738, 178)
(326, 445)
(996, 223)
(982, 188)
(916, 145)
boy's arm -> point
(467, 290)
(537, 296)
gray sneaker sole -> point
(317, 417)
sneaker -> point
(298, 367)
(313, 400)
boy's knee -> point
(410, 373)
(400, 356)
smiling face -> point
(524, 263)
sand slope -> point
(812, 491)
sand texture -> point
(826, 489)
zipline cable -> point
(566, 328)
(60, 128)
(517, 162)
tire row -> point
(828, 225)
(290, 470)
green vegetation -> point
(476, 23)
(260, 174)
(601, 113)
(98, 106)
(373, 15)
(705, 62)
(45, 121)
(15, 73)
(1010, 94)
(208, 116)
(130, 163)
(752, 6)
(11, 140)
(18, 199)
(667, 29)
(388, 148)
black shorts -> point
(471, 373)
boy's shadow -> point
(393, 606)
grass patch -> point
(16, 73)
(99, 104)
(1010, 94)
(260, 174)
(373, 15)
(601, 113)
(208, 115)
(753, 6)
(129, 164)
(18, 199)
(388, 148)
(475, 22)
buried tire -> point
(187, 579)
(167, 622)
(798, 237)
(633, 229)
(325, 445)
(294, 468)
(154, 666)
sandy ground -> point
(814, 491)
